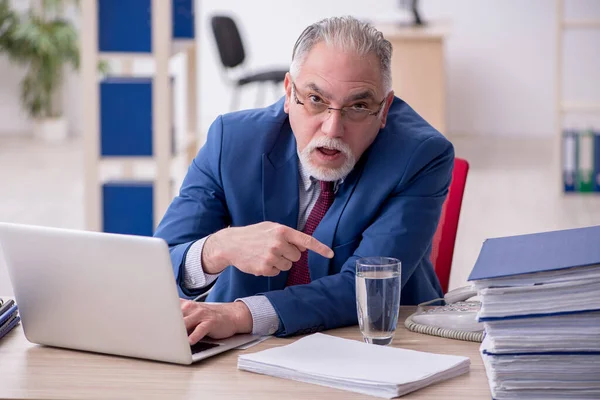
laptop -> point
(101, 292)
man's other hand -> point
(218, 321)
(263, 249)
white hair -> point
(347, 34)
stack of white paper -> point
(542, 334)
(543, 375)
(572, 289)
(540, 307)
(567, 333)
(355, 366)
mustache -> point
(335, 144)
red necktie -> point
(299, 274)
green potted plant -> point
(43, 41)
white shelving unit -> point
(161, 161)
(562, 105)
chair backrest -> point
(229, 41)
(442, 248)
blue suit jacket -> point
(389, 205)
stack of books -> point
(540, 296)
(9, 316)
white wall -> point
(501, 59)
(501, 55)
(500, 66)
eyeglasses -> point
(355, 113)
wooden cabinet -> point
(418, 68)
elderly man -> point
(280, 202)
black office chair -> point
(231, 51)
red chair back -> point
(445, 236)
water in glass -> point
(378, 298)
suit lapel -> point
(280, 188)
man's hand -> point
(263, 249)
(218, 321)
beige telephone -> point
(455, 320)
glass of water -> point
(378, 298)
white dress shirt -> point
(264, 317)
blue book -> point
(12, 321)
(8, 313)
(597, 161)
(538, 252)
(5, 305)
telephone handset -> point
(455, 320)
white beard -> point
(324, 173)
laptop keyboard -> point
(202, 346)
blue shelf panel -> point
(183, 19)
(128, 208)
(126, 25)
(126, 117)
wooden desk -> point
(30, 371)
(418, 69)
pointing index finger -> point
(301, 239)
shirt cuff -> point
(194, 276)
(265, 320)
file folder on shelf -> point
(585, 166)
(581, 160)
(597, 161)
(569, 160)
